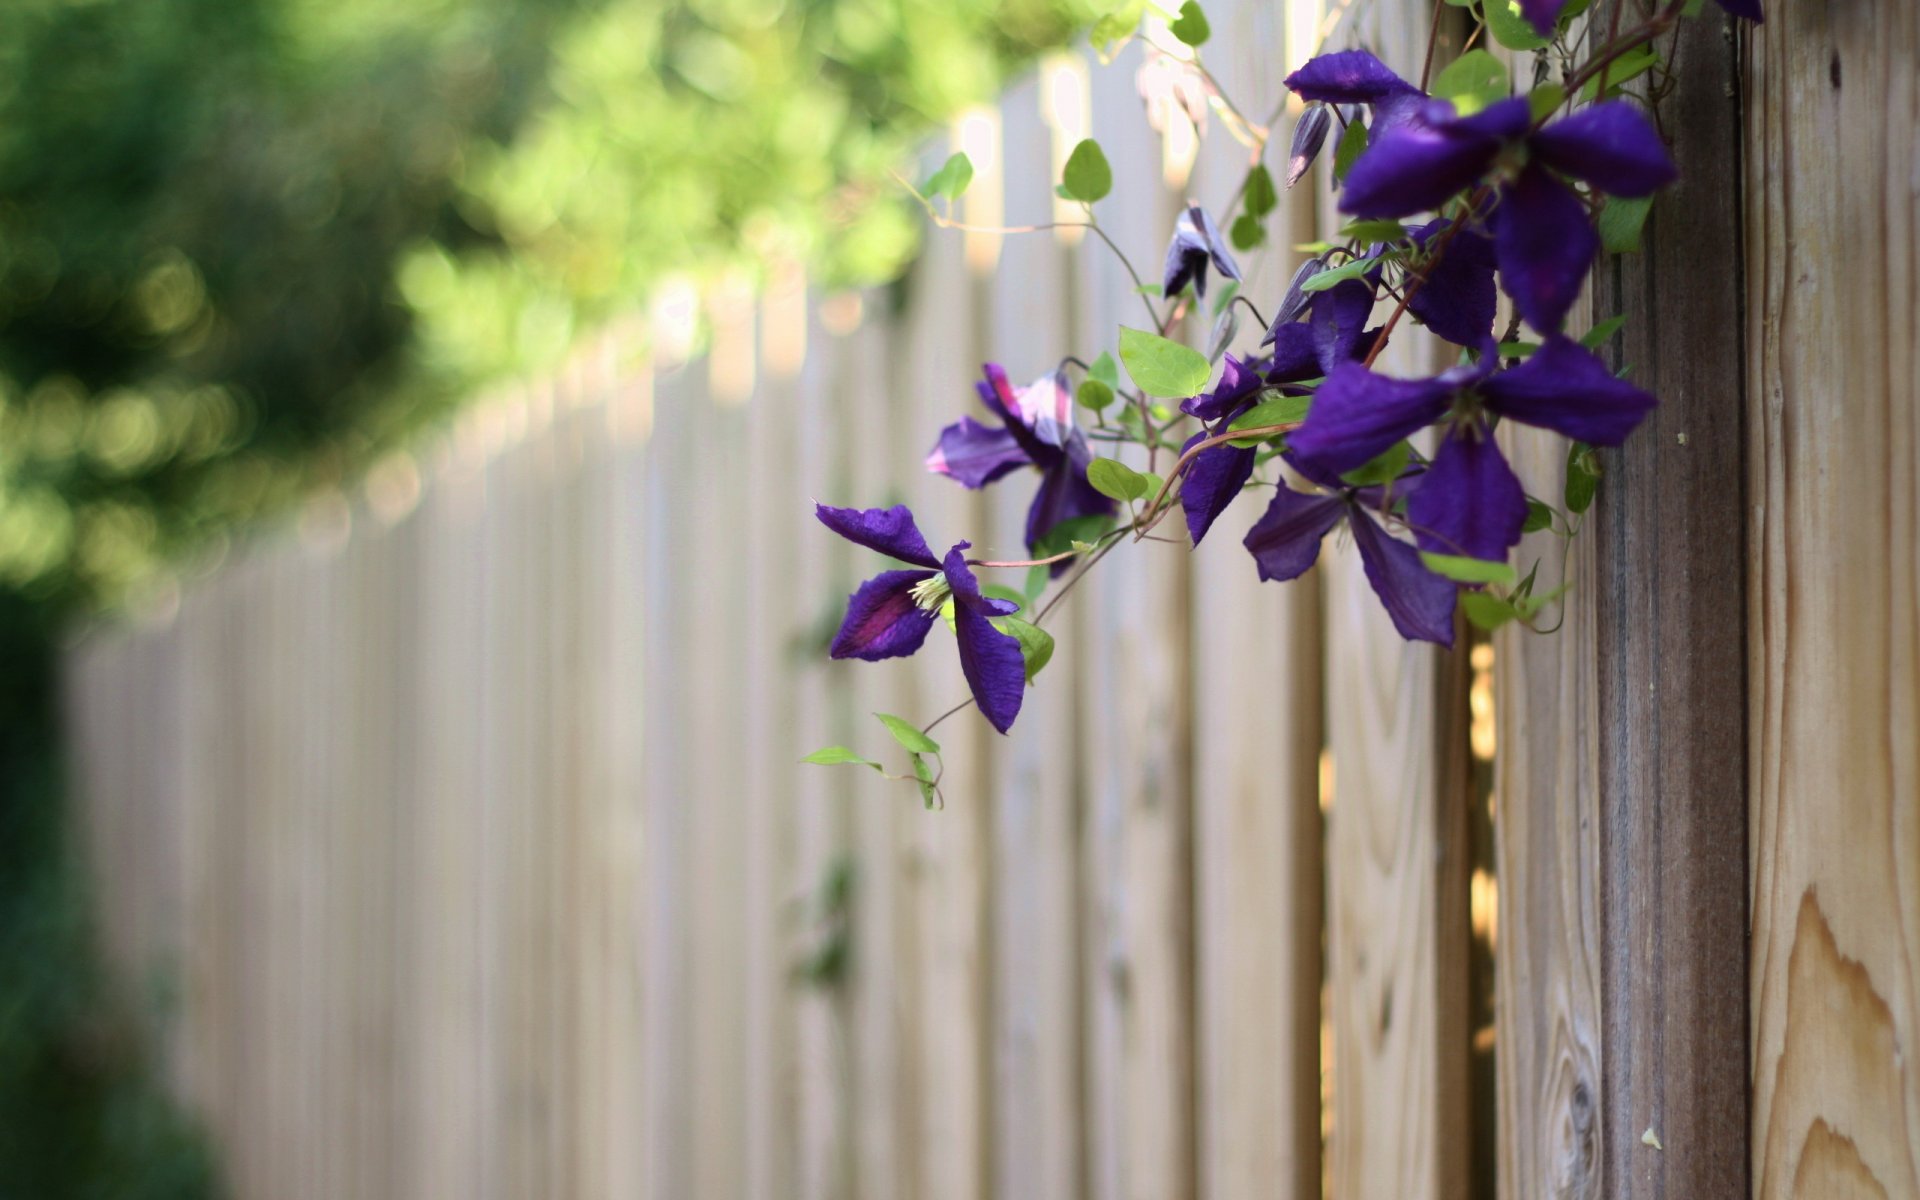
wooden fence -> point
(454, 842)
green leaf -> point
(908, 734)
(1543, 100)
(1147, 289)
(1486, 610)
(1373, 231)
(1115, 30)
(1518, 349)
(1093, 394)
(1603, 333)
(1509, 28)
(1154, 484)
(1625, 69)
(1037, 580)
(1000, 591)
(952, 179)
(1191, 26)
(1105, 370)
(1353, 143)
(1473, 81)
(1281, 410)
(1259, 196)
(1246, 232)
(1076, 529)
(923, 776)
(1583, 477)
(1621, 221)
(1461, 569)
(834, 756)
(1116, 480)
(1353, 268)
(1383, 468)
(1036, 644)
(1163, 368)
(1539, 516)
(1087, 176)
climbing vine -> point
(1456, 188)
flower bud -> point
(1309, 135)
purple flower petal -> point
(995, 669)
(1420, 602)
(882, 619)
(1458, 300)
(1357, 414)
(996, 392)
(1238, 383)
(974, 455)
(1469, 501)
(1567, 388)
(966, 588)
(1294, 355)
(1286, 540)
(1611, 146)
(1195, 243)
(1748, 9)
(1214, 479)
(1338, 318)
(891, 531)
(1543, 15)
(1347, 77)
(1064, 494)
(1544, 245)
(1419, 165)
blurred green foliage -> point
(247, 245)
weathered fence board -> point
(1833, 651)
(465, 826)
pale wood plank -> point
(1257, 733)
(1136, 728)
(1833, 643)
(1035, 1053)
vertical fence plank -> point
(1257, 740)
(950, 853)
(1833, 652)
(1668, 533)
(1397, 836)
(1034, 1054)
(1135, 727)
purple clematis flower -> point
(1469, 501)
(1543, 238)
(1037, 429)
(1334, 332)
(1286, 542)
(1195, 243)
(1357, 77)
(1456, 299)
(890, 614)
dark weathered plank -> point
(1670, 638)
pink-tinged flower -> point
(1036, 429)
(1542, 234)
(889, 615)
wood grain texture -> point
(1397, 846)
(1036, 1050)
(1668, 536)
(1257, 736)
(1135, 725)
(1833, 642)
(1547, 865)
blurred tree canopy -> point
(245, 245)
